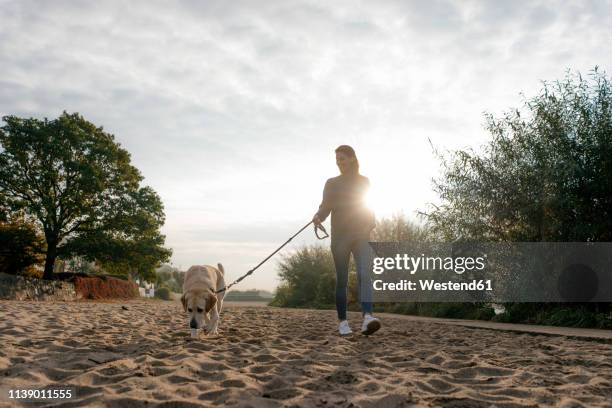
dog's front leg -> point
(206, 322)
(220, 305)
(214, 321)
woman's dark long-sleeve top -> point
(344, 197)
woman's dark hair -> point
(350, 152)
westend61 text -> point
(430, 284)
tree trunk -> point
(50, 259)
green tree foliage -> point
(308, 279)
(81, 187)
(20, 246)
(179, 279)
(398, 228)
(169, 277)
(4, 211)
(546, 175)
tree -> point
(80, 186)
(4, 211)
(134, 246)
(171, 277)
(546, 175)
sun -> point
(386, 198)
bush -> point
(398, 227)
(475, 311)
(545, 175)
(308, 279)
(301, 274)
(163, 293)
(569, 315)
(20, 248)
(32, 272)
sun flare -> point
(386, 199)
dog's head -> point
(197, 303)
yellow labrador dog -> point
(199, 298)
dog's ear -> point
(211, 300)
(220, 267)
(184, 301)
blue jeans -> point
(341, 251)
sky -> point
(232, 110)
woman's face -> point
(344, 162)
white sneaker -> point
(344, 328)
(370, 324)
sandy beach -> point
(139, 354)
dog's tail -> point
(221, 268)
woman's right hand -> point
(316, 220)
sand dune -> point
(143, 357)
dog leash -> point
(316, 231)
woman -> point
(351, 224)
